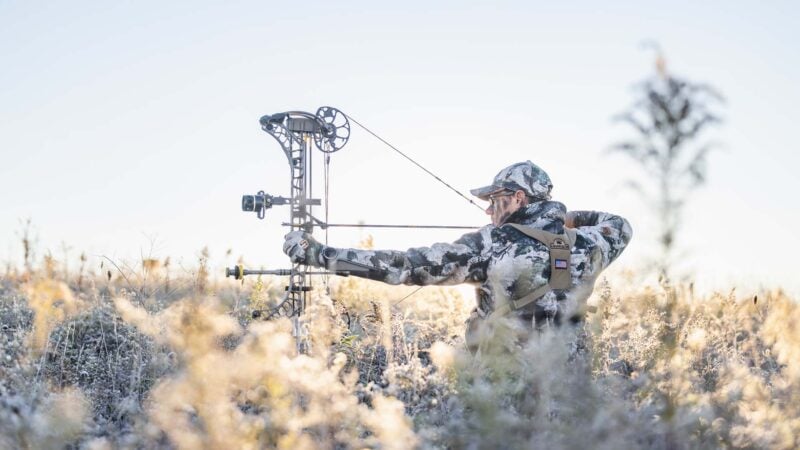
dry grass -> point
(153, 359)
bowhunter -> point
(536, 261)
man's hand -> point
(302, 248)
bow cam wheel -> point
(334, 129)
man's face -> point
(503, 204)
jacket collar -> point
(544, 215)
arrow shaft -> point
(364, 225)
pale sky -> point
(126, 123)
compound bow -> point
(329, 129)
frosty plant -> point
(668, 117)
(652, 369)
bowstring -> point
(375, 135)
(326, 182)
(414, 162)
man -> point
(515, 273)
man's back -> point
(518, 264)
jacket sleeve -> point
(461, 261)
(610, 233)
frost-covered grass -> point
(148, 361)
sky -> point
(130, 129)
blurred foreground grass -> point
(139, 359)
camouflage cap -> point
(524, 176)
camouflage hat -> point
(524, 176)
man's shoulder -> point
(586, 237)
(511, 234)
(478, 239)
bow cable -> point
(416, 163)
(409, 295)
(327, 173)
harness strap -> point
(531, 297)
(560, 248)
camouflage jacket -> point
(502, 262)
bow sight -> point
(261, 202)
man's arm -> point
(441, 263)
(611, 233)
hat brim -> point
(484, 192)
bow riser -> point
(329, 130)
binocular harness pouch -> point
(560, 248)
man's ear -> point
(521, 196)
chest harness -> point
(560, 248)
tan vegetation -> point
(125, 361)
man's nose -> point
(489, 210)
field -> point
(145, 357)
